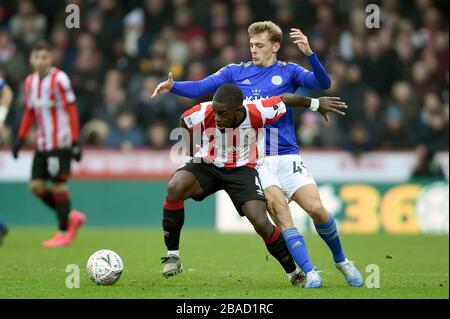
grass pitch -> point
(218, 266)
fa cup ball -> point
(104, 267)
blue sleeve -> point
(2, 84)
(316, 79)
(210, 84)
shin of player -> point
(50, 100)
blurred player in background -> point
(282, 172)
(6, 97)
(228, 161)
(50, 100)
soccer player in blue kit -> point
(282, 171)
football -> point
(104, 267)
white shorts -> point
(288, 172)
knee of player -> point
(279, 208)
(59, 188)
(36, 187)
(263, 226)
(177, 190)
(317, 209)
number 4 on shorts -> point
(296, 168)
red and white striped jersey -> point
(51, 101)
(236, 147)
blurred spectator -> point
(12, 60)
(432, 138)
(28, 25)
(158, 135)
(394, 134)
(372, 117)
(125, 134)
(404, 99)
(433, 126)
(242, 16)
(94, 133)
(133, 28)
(420, 74)
(186, 25)
(219, 16)
(379, 70)
(308, 133)
(177, 50)
(331, 134)
(113, 102)
(426, 164)
(358, 140)
(161, 108)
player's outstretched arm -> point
(194, 89)
(323, 105)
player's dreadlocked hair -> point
(229, 94)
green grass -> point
(218, 266)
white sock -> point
(173, 252)
(292, 274)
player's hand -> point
(301, 40)
(16, 148)
(331, 104)
(164, 87)
(76, 151)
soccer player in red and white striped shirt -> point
(228, 139)
(50, 101)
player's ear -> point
(276, 47)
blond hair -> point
(275, 33)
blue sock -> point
(297, 248)
(329, 234)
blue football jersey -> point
(258, 82)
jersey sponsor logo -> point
(43, 103)
(255, 98)
(276, 80)
(246, 82)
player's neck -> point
(44, 74)
(269, 62)
(240, 119)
